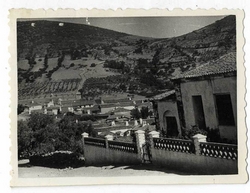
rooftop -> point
(224, 64)
(163, 95)
(34, 103)
(79, 102)
(116, 100)
(119, 109)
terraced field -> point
(43, 89)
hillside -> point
(50, 51)
(50, 37)
(198, 46)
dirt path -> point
(27, 171)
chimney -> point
(113, 123)
(136, 123)
(126, 123)
(140, 120)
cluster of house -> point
(203, 97)
(112, 108)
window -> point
(224, 110)
(199, 112)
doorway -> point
(172, 128)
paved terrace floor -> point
(25, 170)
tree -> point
(144, 112)
(24, 138)
(135, 113)
(46, 61)
(41, 134)
(93, 65)
(39, 121)
(20, 109)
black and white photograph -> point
(127, 96)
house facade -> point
(34, 106)
(168, 121)
(206, 97)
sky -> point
(157, 27)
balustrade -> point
(95, 142)
(121, 146)
(174, 145)
(218, 150)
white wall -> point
(103, 156)
(207, 89)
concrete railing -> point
(194, 156)
(197, 146)
(106, 151)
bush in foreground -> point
(59, 159)
(41, 135)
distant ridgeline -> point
(149, 61)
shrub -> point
(41, 135)
(24, 137)
(20, 109)
(57, 160)
(190, 132)
(93, 65)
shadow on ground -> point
(24, 165)
(151, 167)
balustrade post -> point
(108, 138)
(140, 141)
(83, 143)
(153, 134)
(196, 140)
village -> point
(113, 115)
(128, 101)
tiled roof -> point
(124, 104)
(37, 111)
(78, 102)
(108, 105)
(115, 100)
(224, 64)
(34, 103)
(119, 109)
(112, 117)
(53, 107)
(94, 108)
(163, 95)
(65, 109)
(145, 104)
